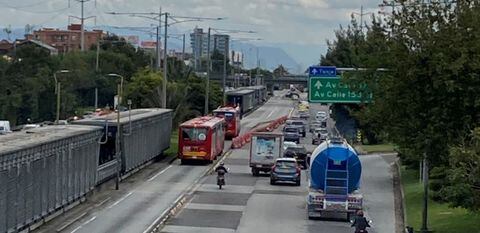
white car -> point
(321, 113)
(287, 144)
(321, 116)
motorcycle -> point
(362, 231)
(220, 180)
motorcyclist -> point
(221, 169)
(360, 222)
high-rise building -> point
(199, 44)
(196, 42)
(221, 43)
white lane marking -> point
(71, 222)
(83, 224)
(159, 173)
(197, 206)
(149, 228)
(102, 202)
(120, 200)
(269, 115)
(190, 229)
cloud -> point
(299, 22)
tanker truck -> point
(335, 171)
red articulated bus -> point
(201, 138)
(232, 119)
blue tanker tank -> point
(335, 168)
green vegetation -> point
(27, 84)
(442, 218)
(426, 96)
(172, 151)
(377, 148)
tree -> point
(464, 174)
(426, 102)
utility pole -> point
(425, 195)
(158, 39)
(224, 73)
(361, 18)
(183, 48)
(82, 29)
(158, 18)
(165, 65)
(258, 68)
(392, 4)
(207, 88)
(82, 19)
(361, 14)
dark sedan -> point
(291, 134)
(297, 152)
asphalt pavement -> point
(251, 204)
(145, 196)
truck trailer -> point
(335, 171)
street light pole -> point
(207, 89)
(58, 87)
(117, 137)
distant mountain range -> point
(269, 57)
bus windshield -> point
(194, 134)
(228, 116)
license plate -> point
(335, 206)
(258, 165)
(194, 157)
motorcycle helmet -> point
(360, 213)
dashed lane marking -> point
(120, 200)
(103, 202)
(159, 173)
(83, 224)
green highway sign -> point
(332, 90)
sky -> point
(300, 27)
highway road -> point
(145, 196)
(251, 204)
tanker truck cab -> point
(335, 171)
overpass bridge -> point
(300, 79)
(266, 80)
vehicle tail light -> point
(299, 170)
(273, 167)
